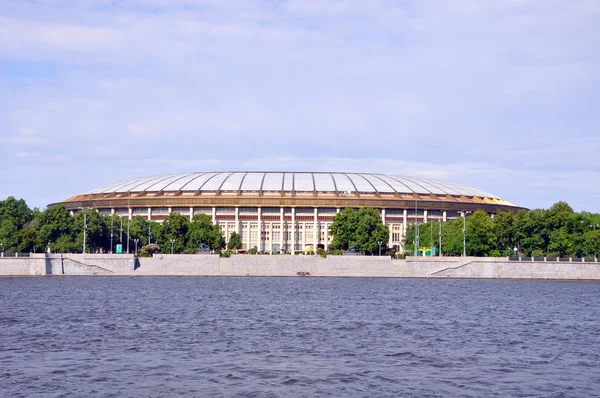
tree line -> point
(555, 232)
(30, 230)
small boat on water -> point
(303, 273)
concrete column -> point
(281, 228)
(260, 242)
(424, 215)
(248, 242)
(404, 226)
(130, 211)
(112, 212)
(326, 235)
(226, 231)
(316, 223)
(237, 220)
(444, 216)
(191, 213)
(337, 210)
(383, 216)
(390, 240)
(149, 213)
(214, 215)
(303, 235)
(170, 210)
(293, 231)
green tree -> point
(235, 241)
(480, 238)
(56, 230)
(97, 235)
(362, 229)
(14, 215)
(203, 231)
(175, 227)
(504, 231)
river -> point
(303, 337)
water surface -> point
(214, 336)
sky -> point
(503, 95)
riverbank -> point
(332, 266)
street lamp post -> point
(379, 243)
(516, 250)
(431, 240)
(440, 236)
(112, 222)
(121, 236)
(149, 234)
(593, 226)
(136, 241)
(416, 231)
(465, 232)
(84, 229)
(128, 239)
(172, 243)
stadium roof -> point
(285, 182)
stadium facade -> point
(285, 210)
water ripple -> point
(305, 337)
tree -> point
(203, 231)
(235, 241)
(56, 230)
(362, 229)
(480, 239)
(97, 235)
(175, 227)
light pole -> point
(416, 231)
(431, 240)
(172, 243)
(464, 214)
(121, 237)
(136, 241)
(593, 226)
(112, 222)
(440, 236)
(84, 229)
(379, 243)
(516, 250)
(128, 239)
(149, 234)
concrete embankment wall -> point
(365, 266)
(500, 268)
(285, 265)
(242, 265)
(23, 266)
(67, 264)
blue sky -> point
(498, 95)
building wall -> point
(291, 228)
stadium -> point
(288, 210)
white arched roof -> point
(320, 182)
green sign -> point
(119, 249)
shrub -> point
(254, 250)
(537, 253)
(225, 253)
(149, 250)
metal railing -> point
(555, 259)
